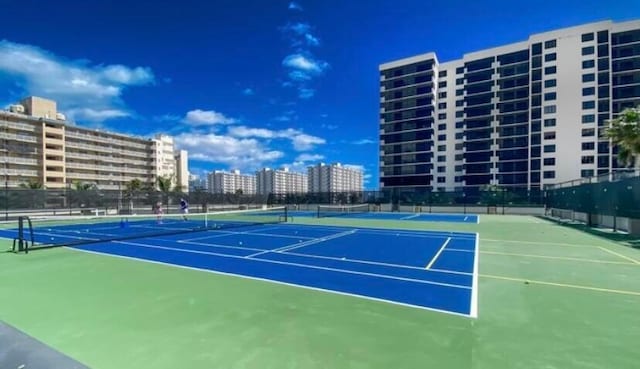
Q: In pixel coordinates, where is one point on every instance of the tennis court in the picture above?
(430, 270)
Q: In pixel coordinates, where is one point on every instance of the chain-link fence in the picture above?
(86, 201)
(614, 194)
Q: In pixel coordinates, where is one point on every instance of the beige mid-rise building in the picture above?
(39, 144)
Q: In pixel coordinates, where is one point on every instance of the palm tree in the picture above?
(165, 186)
(624, 132)
(83, 186)
(32, 184)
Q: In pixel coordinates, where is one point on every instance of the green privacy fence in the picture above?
(613, 194)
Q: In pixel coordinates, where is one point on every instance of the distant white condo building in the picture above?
(280, 181)
(334, 178)
(231, 182)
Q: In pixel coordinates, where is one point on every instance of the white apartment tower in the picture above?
(231, 182)
(182, 170)
(334, 178)
(525, 114)
(272, 181)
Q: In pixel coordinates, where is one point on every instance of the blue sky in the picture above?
(247, 84)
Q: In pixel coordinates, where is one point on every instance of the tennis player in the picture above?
(159, 212)
(184, 208)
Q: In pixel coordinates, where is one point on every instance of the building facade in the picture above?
(525, 114)
(182, 170)
(231, 182)
(334, 178)
(282, 181)
(39, 145)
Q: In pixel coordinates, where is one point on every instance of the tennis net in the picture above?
(341, 210)
(53, 231)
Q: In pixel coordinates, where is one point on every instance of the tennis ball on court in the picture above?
(240, 243)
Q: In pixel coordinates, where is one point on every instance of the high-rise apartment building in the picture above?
(197, 183)
(182, 170)
(524, 114)
(334, 178)
(231, 182)
(273, 181)
(38, 144)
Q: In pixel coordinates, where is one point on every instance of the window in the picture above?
(459, 146)
(588, 91)
(442, 84)
(441, 179)
(591, 118)
(536, 62)
(550, 44)
(550, 83)
(550, 57)
(603, 50)
(589, 77)
(549, 135)
(460, 114)
(536, 88)
(585, 173)
(549, 148)
(588, 50)
(442, 137)
(549, 161)
(587, 37)
(549, 174)
(459, 124)
(442, 73)
(459, 157)
(536, 49)
(460, 103)
(442, 95)
(460, 81)
(536, 75)
(441, 169)
(442, 147)
(442, 158)
(588, 132)
(603, 36)
(442, 127)
(549, 96)
(588, 146)
(586, 64)
(459, 92)
(535, 126)
(550, 70)
(588, 104)
(442, 105)
(550, 109)
(442, 116)
(460, 70)
(588, 160)
(459, 135)
(549, 122)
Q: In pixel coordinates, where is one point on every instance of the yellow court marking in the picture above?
(619, 255)
(530, 281)
(540, 243)
(566, 258)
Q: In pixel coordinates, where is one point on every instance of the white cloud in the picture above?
(298, 75)
(199, 117)
(248, 92)
(166, 118)
(94, 115)
(305, 63)
(330, 127)
(304, 142)
(83, 90)
(306, 93)
(245, 154)
(311, 40)
(300, 140)
(364, 141)
(295, 6)
(309, 157)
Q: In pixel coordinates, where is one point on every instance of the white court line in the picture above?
(303, 244)
(276, 282)
(438, 253)
(225, 233)
(382, 276)
(214, 245)
(64, 236)
(459, 250)
(473, 310)
(410, 217)
(540, 243)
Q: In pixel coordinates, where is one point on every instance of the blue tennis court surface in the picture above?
(423, 217)
(430, 270)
